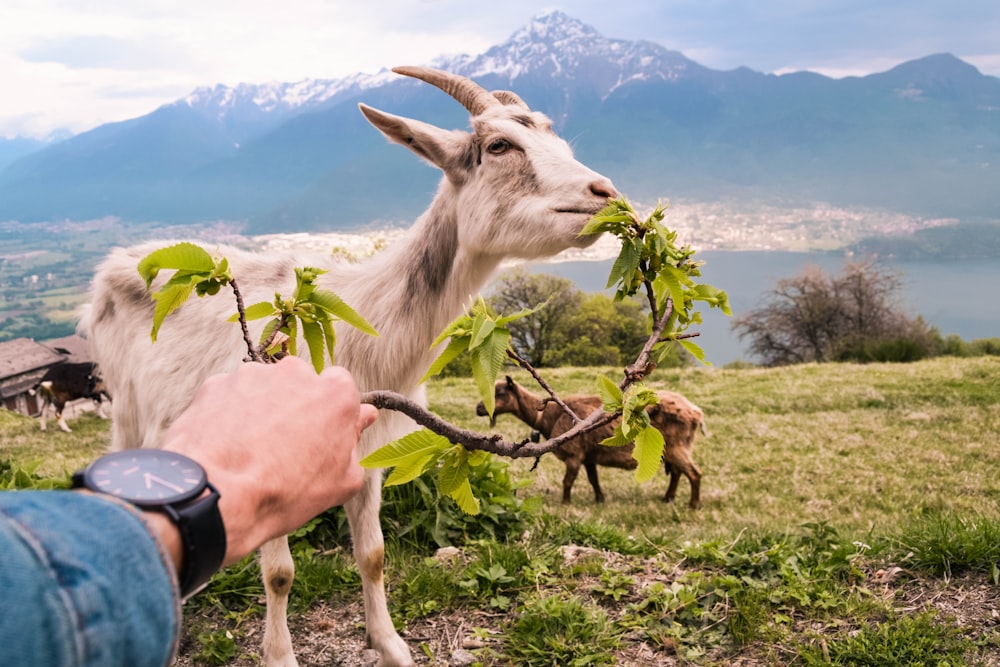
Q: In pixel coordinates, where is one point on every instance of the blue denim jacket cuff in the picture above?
(93, 586)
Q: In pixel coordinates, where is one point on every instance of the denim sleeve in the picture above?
(84, 584)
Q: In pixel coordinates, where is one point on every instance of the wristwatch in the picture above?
(161, 481)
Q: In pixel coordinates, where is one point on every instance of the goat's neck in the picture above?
(532, 412)
(410, 293)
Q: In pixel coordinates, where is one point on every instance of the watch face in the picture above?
(147, 476)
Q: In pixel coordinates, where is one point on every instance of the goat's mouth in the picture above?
(579, 210)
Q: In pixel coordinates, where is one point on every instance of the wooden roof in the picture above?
(74, 347)
(22, 364)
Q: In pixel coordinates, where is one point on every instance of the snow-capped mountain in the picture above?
(923, 137)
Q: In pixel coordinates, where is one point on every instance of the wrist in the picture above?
(175, 487)
(166, 533)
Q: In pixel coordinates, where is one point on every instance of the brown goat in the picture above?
(674, 416)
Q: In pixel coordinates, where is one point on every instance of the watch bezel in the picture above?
(92, 476)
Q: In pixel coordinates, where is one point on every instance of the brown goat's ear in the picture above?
(510, 382)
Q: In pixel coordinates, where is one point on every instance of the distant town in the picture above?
(45, 267)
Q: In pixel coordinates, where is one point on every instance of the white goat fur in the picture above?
(511, 189)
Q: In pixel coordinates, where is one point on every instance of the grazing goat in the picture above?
(69, 382)
(511, 189)
(675, 417)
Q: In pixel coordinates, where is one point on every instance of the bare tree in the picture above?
(817, 317)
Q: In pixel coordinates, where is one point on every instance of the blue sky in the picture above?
(75, 65)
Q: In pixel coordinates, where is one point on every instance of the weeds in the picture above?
(907, 641)
(946, 544)
(560, 631)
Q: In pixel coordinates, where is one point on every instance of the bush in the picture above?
(416, 514)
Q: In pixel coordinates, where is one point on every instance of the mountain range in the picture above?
(922, 138)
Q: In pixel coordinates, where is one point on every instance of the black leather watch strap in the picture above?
(204, 538)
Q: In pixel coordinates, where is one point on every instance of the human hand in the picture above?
(279, 443)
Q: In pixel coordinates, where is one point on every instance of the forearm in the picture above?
(91, 584)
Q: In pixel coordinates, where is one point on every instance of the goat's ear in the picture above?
(510, 382)
(439, 147)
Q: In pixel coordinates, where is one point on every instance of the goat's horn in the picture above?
(468, 93)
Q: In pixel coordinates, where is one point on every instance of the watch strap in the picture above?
(203, 536)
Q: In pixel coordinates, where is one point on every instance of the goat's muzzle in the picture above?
(481, 412)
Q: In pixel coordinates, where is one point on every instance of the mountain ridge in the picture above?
(921, 137)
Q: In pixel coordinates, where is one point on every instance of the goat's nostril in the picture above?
(604, 188)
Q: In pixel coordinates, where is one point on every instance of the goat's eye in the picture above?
(498, 146)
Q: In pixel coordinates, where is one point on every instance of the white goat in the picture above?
(511, 188)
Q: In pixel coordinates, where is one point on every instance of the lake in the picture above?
(957, 297)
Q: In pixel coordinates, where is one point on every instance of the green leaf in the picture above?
(463, 496)
(524, 312)
(268, 329)
(610, 393)
(455, 347)
(461, 327)
(616, 439)
(487, 361)
(182, 256)
(694, 349)
(313, 333)
(257, 311)
(482, 327)
(454, 469)
(409, 448)
(648, 452)
(334, 305)
(716, 298)
(330, 336)
(672, 280)
(626, 263)
(167, 301)
(410, 470)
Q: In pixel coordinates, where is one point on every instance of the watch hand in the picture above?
(162, 482)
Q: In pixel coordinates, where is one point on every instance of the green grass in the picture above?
(860, 447)
(815, 477)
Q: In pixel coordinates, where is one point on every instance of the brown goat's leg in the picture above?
(675, 477)
(278, 571)
(591, 469)
(693, 474)
(572, 470)
(369, 552)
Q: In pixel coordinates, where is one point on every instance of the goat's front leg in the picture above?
(61, 421)
(572, 470)
(591, 469)
(278, 571)
(369, 552)
(675, 477)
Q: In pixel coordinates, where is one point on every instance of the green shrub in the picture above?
(414, 513)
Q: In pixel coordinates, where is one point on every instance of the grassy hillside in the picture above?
(861, 447)
(851, 516)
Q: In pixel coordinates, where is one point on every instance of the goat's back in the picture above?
(154, 382)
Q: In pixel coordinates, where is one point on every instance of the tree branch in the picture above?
(242, 311)
(553, 396)
(473, 440)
